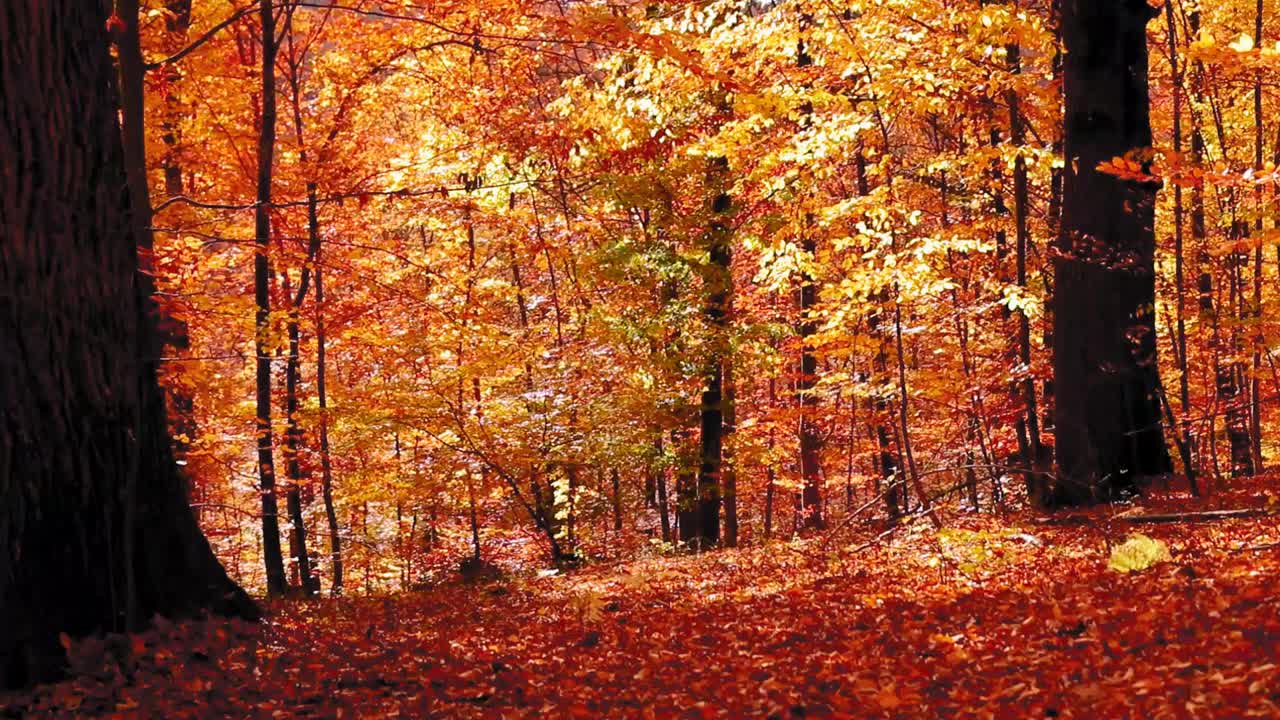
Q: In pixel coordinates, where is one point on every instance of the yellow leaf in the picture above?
(1139, 552)
(1242, 44)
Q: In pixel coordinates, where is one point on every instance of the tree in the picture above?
(810, 436)
(719, 288)
(1107, 413)
(271, 553)
(96, 533)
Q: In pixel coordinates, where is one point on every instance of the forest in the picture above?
(656, 359)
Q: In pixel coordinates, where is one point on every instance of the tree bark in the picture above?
(810, 439)
(719, 286)
(301, 558)
(728, 472)
(1028, 426)
(96, 533)
(615, 482)
(326, 464)
(173, 331)
(272, 555)
(1257, 339)
(664, 502)
(1107, 415)
(1180, 337)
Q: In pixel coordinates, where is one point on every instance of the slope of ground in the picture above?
(989, 617)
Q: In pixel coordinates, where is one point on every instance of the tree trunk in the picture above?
(728, 472)
(1107, 418)
(272, 555)
(810, 439)
(886, 461)
(1257, 339)
(177, 24)
(664, 502)
(1028, 426)
(1180, 337)
(615, 483)
(173, 331)
(301, 558)
(96, 532)
(293, 468)
(770, 474)
(719, 287)
(687, 518)
(326, 464)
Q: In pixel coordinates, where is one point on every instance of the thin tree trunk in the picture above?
(719, 288)
(1204, 260)
(301, 559)
(1029, 423)
(810, 440)
(686, 488)
(769, 472)
(326, 463)
(173, 331)
(1228, 396)
(664, 502)
(1180, 339)
(728, 472)
(1257, 339)
(851, 451)
(271, 551)
(616, 485)
(903, 395)
(886, 460)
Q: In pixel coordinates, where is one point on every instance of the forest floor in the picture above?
(1013, 616)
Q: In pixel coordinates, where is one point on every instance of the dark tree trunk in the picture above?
(299, 554)
(615, 482)
(770, 474)
(95, 533)
(1028, 426)
(729, 475)
(1204, 259)
(719, 286)
(1230, 375)
(1107, 417)
(326, 464)
(660, 480)
(272, 555)
(810, 440)
(1185, 444)
(890, 469)
(650, 488)
(687, 518)
(177, 24)
(173, 331)
(887, 463)
(1255, 314)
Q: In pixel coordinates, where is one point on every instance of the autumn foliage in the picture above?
(485, 319)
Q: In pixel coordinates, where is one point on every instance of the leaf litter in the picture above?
(988, 618)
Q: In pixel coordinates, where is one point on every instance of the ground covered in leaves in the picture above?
(989, 617)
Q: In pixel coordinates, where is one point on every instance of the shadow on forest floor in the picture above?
(990, 617)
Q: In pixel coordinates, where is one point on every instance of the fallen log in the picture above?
(1201, 516)
(1189, 516)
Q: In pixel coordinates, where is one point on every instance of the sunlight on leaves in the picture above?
(1139, 552)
